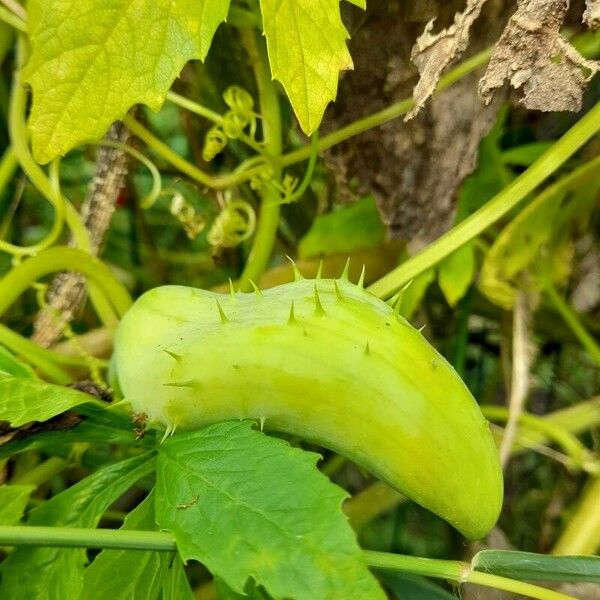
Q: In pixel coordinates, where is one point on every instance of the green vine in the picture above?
(500, 205)
(61, 258)
(68, 537)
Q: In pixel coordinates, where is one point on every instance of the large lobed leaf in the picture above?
(92, 60)
(250, 506)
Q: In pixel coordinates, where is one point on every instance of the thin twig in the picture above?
(67, 291)
(521, 365)
(15, 8)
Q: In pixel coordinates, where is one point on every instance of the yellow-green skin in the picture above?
(340, 369)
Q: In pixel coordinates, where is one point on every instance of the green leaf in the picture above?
(526, 154)
(13, 501)
(40, 573)
(345, 230)
(175, 584)
(125, 574)
(92, 60)
(99, 426)
(538, 567)
(456, 272)
(542, 224)
(10, 365)
(250, 506)
(24, 400)
(251, 592)
(414, 292)
(306, 41)
(405, 586)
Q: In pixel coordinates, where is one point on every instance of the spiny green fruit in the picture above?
(328, 362)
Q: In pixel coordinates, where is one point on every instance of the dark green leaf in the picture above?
(538, 567)
(526, 154)
(406, 586)
(13, 501)
(24, 400)
(100, 426)
(41, 573)
(247, 505)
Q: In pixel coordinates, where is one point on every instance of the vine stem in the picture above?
(41, 358)
(211, 115)
(266, 230)
(497, 207)
(572, 320)
(357, 127)
(64, 210)
(120, 539)
(580, 456)
(460, 572)
(218, 182)
(62, 258)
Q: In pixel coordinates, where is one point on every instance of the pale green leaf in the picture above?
(13, 501)
(92, 60)
(306, 41)
(405, 586)
(542, 225)
(32, 573)
(24, 400)
(456, 273)
(10, 365)
(249, 506)
(414, 293)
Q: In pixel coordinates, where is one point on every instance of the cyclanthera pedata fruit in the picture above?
(328, 362)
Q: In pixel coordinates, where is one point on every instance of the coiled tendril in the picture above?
(235, 120)
(234, 224)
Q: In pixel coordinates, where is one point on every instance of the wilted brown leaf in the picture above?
(432, 53)
(533, 56)
(591, 16)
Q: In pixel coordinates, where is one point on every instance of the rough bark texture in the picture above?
(414, 169)
(67, 291)
(532, 56)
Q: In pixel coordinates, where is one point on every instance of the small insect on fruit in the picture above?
(324, 360)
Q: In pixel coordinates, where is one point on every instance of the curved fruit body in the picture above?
(326, 361)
